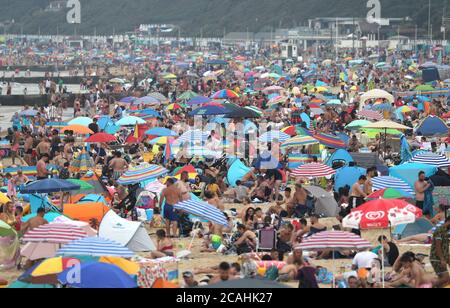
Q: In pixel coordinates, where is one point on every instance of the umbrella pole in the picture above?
(192, 240)
(334, 271)
(382, 266)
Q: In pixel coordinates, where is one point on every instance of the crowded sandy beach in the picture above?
(175, 166)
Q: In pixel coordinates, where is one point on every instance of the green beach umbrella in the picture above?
(6, 230)
(357, 124)
(424, 87)
(83, 185)
(188, 95)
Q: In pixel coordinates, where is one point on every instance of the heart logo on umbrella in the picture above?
(411, 208)
(375, 215)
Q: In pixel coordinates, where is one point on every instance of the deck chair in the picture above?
(267, 240)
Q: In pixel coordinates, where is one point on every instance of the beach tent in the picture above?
(99, 187)
(421, 226)
(432, 126)
(409, 172)
(86, 211)
(38, 201)
(236, 172)
(93, 198)
(130, 234)
(368, 160)
(340, 155)
(325, 204)
(347, 176)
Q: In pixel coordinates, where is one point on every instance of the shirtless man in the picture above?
(15, 144)
(368, 185)
(214, 200)
(41, 167)
(118, 165)
(28, 148)
(172, 196)
(357, 194)
(287, 202)
(59, 159)
(420, 187)
(224, 274)
(184, 187)
(298, 202)
(68, 149)
(43, 147)
(20, 178)
(35, 222)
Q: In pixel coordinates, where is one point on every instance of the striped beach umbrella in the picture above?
(371, 115)
(255, 109)
(335, 241)
(193, 136)
(55, 233)
(430, 158)
(277, 100)
(383, 182)
(146, 100)
(95, 247)
(202, 210)
(141, 173)
(313, 170)
(299, 141)
(225, 94)
(82, 163)
(274, 135)
(330, 141)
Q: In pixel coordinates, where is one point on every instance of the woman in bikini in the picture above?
(164, 246)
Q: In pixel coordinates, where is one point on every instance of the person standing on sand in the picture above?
(357, 194)
(41, 167)
(118, 165)
(420, 187)
(171, 195)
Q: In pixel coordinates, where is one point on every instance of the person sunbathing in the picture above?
(422, 239)
(293, 264)
(164, 246)
(415, 275)
(246, 242)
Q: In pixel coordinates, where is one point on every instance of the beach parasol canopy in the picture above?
(78, 129)
(273, 89)
(98, 275)
(244, 113)
(225, 94)
(210, 109)
(161, 132)
(4, 198)
(274, 135)
(383, 182)
(130, 121)
(48, 186)
(202, 210)
(95, 247)
(390, 193)
(376, 94)
(84, 121)
(429, 158)
(193, 136)
(299, 141)
(198, 100)
(382, 213)
(6, 230)
(188, 95)
(387, 124)
(313, 170)
(335, 241)
(141, 173)
(128, 100)
(101, 138)
(357, 124)
(82, 163)
(330, 141)
(160, 97)
(83, 184)
(146, 100)
(370, 114)
(55, 233)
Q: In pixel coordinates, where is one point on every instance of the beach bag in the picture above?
(271, 273)
(324, 276)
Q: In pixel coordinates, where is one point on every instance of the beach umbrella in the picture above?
(313, 170)
(335, 241)
(198, 100)
(147, 112)
(146, 100)
(406, 109)
(95, 247)
(387, 124)
(382, 213)
(84, 121)
(192, 172)
(130, 121)
(273, 89)
(6, 230)
(48, 186)
(373, 132)
(225, 94)
(370, 114)
(56, 125)
(78, 129)
(271, 136)
(357, 124)
(202, 210)
(390, 193)
(430, 158)
(55, 233)
(98, 275)
(170, 76)
(162, 140)
(83, 184)
(330, 141)
(188, 95)
(4, 198)
(175, 106)
(299, 141)
(161, 132)
(424, 88)
(277, 100)
(129, 267)
(46, 271)
(383, 182)
(128, 100)
(255, 109)
(243, 113)
(290, 130)
(193, 136)
(334, 102)
(158, 96)
(101, 138)
(141, 173)
(210, 109)
(82, 163)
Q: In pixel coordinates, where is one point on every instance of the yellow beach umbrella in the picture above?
(128, 267)
(4, 198)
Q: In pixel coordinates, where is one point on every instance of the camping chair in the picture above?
(267, 240)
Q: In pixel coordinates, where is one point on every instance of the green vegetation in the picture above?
(210, 17)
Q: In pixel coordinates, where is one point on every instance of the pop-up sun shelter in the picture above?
(421, 226)
(409, 172)
(127, 233)
(432, 126)
(86, 211)
(347, 176)
(236, 172)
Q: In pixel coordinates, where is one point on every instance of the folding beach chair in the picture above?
(267, 240)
